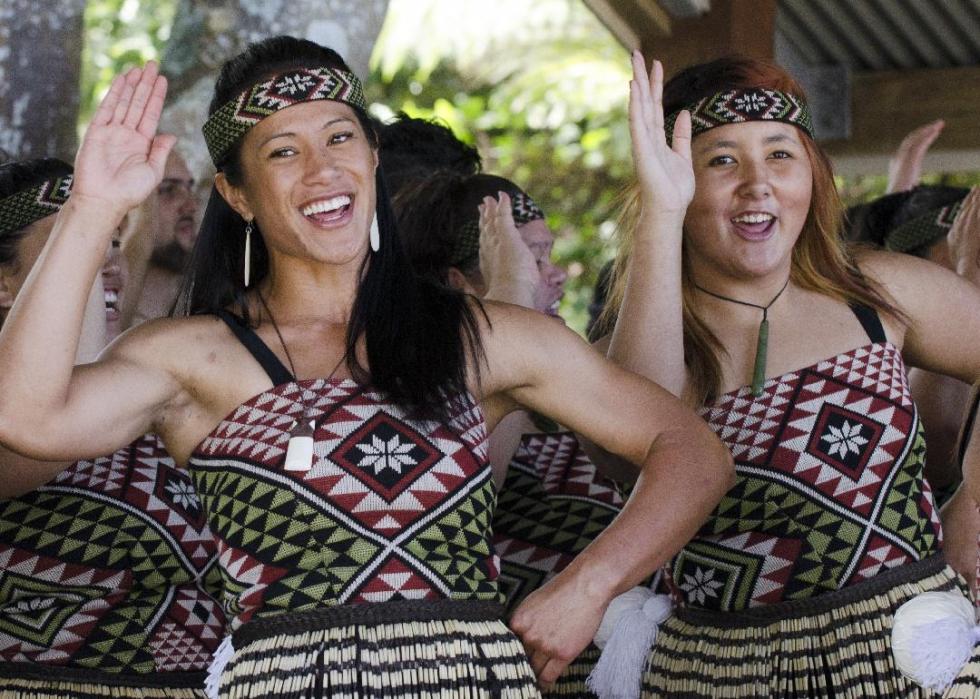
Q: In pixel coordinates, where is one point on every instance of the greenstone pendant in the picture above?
(761, 348)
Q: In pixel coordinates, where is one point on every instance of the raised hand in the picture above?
(905, 167)
(664, 171)
(964, 238)
(506, 262)
(122, 157)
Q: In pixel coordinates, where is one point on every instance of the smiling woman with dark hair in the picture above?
(333, 407)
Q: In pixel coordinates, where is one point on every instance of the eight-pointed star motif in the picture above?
(844, 439)
(392, 454)
(701, 585)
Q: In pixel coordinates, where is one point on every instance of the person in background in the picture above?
(108, 569)
(412, 149)
(172, 220)
(928, 221)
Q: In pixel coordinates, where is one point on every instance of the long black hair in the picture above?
(433, 215)
(19, 176)
(412, 149)
(417, 334)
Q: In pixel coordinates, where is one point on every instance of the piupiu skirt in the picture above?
(395, 649)
(571, 684)
(835, 645)
(36, 681)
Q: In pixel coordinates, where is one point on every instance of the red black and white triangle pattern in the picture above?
(552, 504)
(829, 490)
(393, 506)
(111, 567)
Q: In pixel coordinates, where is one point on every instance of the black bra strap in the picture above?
(258, 349)
(868, 317)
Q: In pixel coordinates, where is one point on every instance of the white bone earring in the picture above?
(248, 253)
(375, 238)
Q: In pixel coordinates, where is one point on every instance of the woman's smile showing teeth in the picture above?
(753, 225)
(332, 210)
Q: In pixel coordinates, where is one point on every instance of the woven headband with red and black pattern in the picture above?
(232, 121)
(467, 247)
(741, 105)
(24, 208)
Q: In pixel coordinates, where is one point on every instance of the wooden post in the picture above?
(745, 27)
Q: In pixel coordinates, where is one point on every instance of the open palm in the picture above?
(664, 171)
(122, 157)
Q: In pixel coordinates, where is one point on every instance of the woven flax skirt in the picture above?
(394, 649)
(34, 681)
(836, 645)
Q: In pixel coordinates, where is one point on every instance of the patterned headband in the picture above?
(917, 234)
(227, 125)
(737, 106)
(24, 208)
(468, 241)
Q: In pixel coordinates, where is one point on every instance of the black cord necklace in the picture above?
(762, 344)
(299, 450)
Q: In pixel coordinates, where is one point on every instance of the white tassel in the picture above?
(225, 652)
(626, 635)
(933, 638)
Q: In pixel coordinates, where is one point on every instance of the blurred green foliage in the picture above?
(119, 34)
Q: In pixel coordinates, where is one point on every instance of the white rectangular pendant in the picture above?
(299, 453)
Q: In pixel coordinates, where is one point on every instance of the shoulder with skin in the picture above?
(174, 345)
(517, 339)
(906, 280)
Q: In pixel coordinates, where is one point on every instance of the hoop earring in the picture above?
(248, 252)
(375, 237)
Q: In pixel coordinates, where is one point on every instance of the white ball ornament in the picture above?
(933, 637)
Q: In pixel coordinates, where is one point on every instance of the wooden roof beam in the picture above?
(886, 105)
(631, 20)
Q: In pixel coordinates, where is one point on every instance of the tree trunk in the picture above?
(40, 61)
(206, 33)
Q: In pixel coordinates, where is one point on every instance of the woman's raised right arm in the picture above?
(648, 336)
(48, 408)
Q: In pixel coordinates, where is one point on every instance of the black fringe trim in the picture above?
(366, 615)
(60, 673)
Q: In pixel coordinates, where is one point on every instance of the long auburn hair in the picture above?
(821, 260)
(418, 335)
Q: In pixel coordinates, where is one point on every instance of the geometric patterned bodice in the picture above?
(110, 566)
(552, 504)
(394, 507)
(829, 488)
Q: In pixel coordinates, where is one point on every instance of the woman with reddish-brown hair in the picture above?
(733, 289)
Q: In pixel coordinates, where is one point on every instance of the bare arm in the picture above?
(942, 337)
(50, 409)
(21, 472)
(684, 472)
(648, 337)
